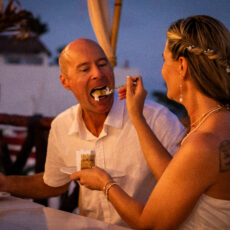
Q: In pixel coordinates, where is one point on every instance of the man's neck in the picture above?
(94, 122)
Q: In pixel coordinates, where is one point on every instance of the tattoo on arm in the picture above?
(224, 156)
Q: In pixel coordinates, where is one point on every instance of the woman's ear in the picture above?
(65, 81)
(183, 67)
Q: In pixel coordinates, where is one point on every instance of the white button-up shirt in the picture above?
(117, 149)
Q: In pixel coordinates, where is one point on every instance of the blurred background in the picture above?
(140, 43)
(141, 36)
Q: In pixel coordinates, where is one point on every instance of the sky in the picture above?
(142, 31)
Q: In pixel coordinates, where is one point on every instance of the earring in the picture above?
(181, 94)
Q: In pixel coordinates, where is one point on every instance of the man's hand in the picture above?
(3, 184)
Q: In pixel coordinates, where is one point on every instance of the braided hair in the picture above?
(205, 43)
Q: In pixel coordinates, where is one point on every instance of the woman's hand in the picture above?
(135, 97)
(94, 178)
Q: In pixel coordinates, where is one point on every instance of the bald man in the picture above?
(99, 123)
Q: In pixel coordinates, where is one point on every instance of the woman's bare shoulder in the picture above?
(208, 147)
(201, 142)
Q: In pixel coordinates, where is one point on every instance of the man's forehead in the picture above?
(83, 46)
(82, 57)
(87, 52)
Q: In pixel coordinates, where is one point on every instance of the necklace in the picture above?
(201, 120)
(196, 122)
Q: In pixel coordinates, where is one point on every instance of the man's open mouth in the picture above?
(100, 92)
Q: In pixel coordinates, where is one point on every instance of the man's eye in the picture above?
(84, 69)
(101, 64)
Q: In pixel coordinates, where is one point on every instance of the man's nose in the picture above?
(97, 72)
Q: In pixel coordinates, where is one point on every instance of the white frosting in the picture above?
(97, 93)
(96, 97)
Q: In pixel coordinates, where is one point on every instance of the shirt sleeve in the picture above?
(52, 175)
(167, 128)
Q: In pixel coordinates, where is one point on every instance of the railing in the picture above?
(37, 136)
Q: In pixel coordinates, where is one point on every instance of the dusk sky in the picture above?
(143, 26)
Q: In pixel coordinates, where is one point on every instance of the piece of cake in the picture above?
(85, 159)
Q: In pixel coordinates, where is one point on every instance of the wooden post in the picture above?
(115, 27)
(2, 7)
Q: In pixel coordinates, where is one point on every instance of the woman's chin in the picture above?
(173, 98)
(169, 97)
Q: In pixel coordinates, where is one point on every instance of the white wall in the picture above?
(26, 89)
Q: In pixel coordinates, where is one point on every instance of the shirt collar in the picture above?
(77, 120)
(115, 116)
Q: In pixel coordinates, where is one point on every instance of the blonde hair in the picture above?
(205, 43)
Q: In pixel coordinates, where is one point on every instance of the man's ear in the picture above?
(65, 81)
(183, 67)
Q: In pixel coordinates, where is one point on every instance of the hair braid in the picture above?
(205, 43)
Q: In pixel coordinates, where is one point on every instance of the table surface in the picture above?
(22, 214)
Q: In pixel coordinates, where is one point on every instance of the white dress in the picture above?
(209, 214)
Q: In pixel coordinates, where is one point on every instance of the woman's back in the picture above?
(219, 126)
(213, 138)
(212, 210)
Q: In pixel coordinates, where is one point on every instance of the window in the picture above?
(12, 60)
(24, 60)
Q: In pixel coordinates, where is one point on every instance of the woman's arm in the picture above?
(155, 154)
(192, 172)
(189, 174)
(97, 179)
